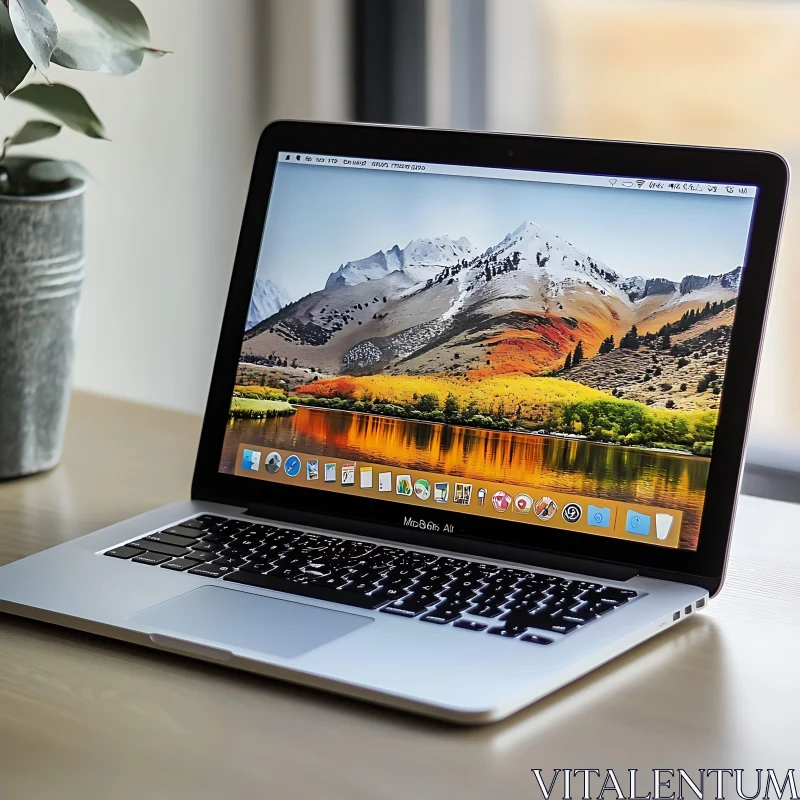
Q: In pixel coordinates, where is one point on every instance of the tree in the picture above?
(666, 342)
(451, 406)
(471, 410)
(568, 362)
(428, 402)
(607, 345)
(630, 341)
(577, 356)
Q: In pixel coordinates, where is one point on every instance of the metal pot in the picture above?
(41, 275)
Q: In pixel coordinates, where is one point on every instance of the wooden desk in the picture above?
(83, 717)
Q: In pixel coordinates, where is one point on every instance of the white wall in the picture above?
(163, 213)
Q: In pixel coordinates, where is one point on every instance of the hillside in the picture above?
(438, 307)
(658, 377)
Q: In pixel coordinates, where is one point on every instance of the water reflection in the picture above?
(546, 463)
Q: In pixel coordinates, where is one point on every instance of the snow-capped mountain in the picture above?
(549, 252)
(729, 280)
(439, 305)
(267, 299)
(418, 259)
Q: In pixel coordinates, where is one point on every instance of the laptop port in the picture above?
(676, 616)
(700, 603)
(687, 610)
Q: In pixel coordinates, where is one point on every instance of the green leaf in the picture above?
(35, 131)
(120, 19)
(64, 103)
(14, 61)
(36, 30)
(96, 52)
(57, 171)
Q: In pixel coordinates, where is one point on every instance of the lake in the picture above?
(546, 463)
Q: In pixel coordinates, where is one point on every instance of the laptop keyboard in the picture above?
(439, 590)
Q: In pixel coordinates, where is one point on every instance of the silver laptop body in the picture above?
(422, 550)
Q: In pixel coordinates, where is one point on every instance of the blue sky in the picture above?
(321, 217)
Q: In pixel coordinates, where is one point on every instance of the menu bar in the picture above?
(616, 182)
(420, 489)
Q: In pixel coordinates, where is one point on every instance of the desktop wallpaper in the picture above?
(571, 338)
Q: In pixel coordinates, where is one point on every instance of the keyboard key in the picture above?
(469, 625)
(485, 611)
(257, 566)
(441, 616)
(508, 631)
(456, 605)
(164, 549)
(151, 558)
(541, 620)
(417, 603)
(180, 564)
(232, 563)
(580, 617)
(201, 555)
(396, 609)
(534, 639)
(599, 609)
(169, 538)
(192, 523)
(206, 547)
(124, 552)
(213, 519)
(451, 564)
(188, 533)
(211, 570)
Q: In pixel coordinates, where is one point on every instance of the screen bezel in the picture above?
(767, 171)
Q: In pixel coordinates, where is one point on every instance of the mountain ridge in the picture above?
(438, 305)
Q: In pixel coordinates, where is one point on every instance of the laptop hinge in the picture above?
(451, 543)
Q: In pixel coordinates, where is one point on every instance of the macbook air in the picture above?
(475, 425)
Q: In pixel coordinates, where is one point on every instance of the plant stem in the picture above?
(6, 143)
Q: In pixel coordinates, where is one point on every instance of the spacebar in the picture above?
(308, 590)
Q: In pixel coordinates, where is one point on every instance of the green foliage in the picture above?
(115, 43)
(630, 341)
(568, 361)
(35, 29)
(15, 61)
(607, 345)
(709, 381)
(245, 408)
(259, 393)
(428, 402)
(64, 103)
(691, 316)
(629, 423)
(451, 406)
(33, 131)
(577, 356)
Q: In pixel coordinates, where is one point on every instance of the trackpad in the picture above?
(231, 619)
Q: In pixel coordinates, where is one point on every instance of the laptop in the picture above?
(476, 421)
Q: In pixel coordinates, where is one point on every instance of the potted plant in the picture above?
(41, 210)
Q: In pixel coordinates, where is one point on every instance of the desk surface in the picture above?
(87, 717)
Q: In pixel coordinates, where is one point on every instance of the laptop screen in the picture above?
(542, 348)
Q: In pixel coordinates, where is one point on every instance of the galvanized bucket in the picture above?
(41, 275)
